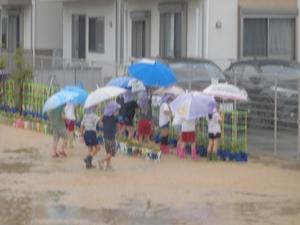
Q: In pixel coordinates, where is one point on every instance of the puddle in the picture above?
(15, 167)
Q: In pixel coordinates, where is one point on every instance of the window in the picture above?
(269, 37)
(141, 26)
(96, 34)
(172, 30)
(4, 32)
(78, 36)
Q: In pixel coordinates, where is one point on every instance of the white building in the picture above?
(114, 31)
(33, 25)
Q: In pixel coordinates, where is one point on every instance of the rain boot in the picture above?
(181, 153)
(194, 154)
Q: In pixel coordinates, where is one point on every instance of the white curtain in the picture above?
(281, 41)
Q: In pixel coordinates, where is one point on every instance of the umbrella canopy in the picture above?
(82, 94)
(191, 105)
(58, 99)
(152, 73)
(127, 83)
(111, 108)
(226, 91)
(103, 94)
(175, 90)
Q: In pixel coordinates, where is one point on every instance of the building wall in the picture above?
(223, 42)
(269, 3)
(103, 8)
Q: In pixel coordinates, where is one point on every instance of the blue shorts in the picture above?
(90, 138)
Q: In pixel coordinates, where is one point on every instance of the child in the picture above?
(188, 136)
(70, 122)
(130, 108)
(164, 122)
(214, 133)
(109, 121)
(145, 117)
(56, 117)
(88, 131)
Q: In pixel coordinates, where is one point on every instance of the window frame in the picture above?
(102, 50)
(246, 13)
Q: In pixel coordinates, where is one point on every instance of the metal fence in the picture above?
(273, 116)
(63, 72)
(272, 107)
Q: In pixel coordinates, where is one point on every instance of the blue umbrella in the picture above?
(58, 99)
(121, 82)
(82, 94)
(152, 73)
(192, 105)
(126, 82)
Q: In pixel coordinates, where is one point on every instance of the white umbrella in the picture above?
(103, 94)
(192, 105)
(226, 91)
(175, 90)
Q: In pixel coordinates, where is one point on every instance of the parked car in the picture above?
(194, 73)
(258, 77)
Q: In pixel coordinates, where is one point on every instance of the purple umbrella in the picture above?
(111, 108)
(192, 105)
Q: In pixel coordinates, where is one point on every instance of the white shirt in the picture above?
(164, 116)
(188, 125)
(70, 111)
(89, 121)
(214, 123)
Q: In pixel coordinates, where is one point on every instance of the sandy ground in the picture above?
(36, 189)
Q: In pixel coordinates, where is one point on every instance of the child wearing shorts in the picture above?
(109, 121)
(188, 136)
(88, 132)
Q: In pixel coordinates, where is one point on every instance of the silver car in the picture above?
(194, 73)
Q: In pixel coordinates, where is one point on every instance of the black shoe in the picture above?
(88, 161)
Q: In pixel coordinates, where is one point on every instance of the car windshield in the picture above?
(281, 71)
(196, 71)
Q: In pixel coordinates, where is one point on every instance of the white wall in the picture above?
(103, 8)
(27, 27)
(223, 43)
(49, 25)
(298, 35)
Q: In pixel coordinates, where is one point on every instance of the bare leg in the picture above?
(216, 145)
(54, 147)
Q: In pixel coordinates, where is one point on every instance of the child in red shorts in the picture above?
(188, 136)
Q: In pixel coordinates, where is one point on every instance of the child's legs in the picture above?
(130, 131)
(215, 145)
(55, 143)
(210, 145)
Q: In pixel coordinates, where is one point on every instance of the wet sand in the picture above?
(36, 189)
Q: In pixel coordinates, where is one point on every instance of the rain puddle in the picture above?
(18, 160)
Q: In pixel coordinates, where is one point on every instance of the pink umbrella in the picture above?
(226, 91)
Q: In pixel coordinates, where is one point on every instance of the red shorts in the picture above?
(145, 128)
(70, 125)
(188, 137)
